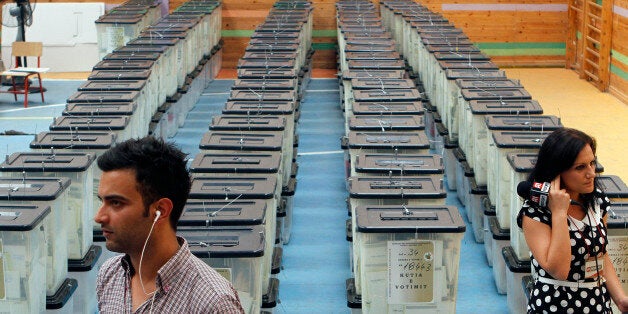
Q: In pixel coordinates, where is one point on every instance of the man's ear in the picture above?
(164, 206)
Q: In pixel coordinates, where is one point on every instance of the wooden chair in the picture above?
(25, 49)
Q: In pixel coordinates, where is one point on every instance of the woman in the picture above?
(568, 238)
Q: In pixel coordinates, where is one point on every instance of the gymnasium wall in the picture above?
(619, 51)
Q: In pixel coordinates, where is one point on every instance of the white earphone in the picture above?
(157, 214)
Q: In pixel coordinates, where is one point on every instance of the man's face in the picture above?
(121, 214)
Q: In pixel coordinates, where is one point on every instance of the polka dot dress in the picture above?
(548, 298)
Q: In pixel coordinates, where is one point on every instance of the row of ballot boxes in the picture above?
(239, 214)
(488, 130)
(48, 195)
(405, 242)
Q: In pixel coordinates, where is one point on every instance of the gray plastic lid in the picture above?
(488, 83)
(408, 163)
(521, 107)
(266, 107)
(133, 55)
(372, 55)
(104, 96)
(224, 242)
(141, 49)
(104, 109)
(32, 188)
(454, 41)
(519, 139)
(119, 75)
(466, 64)
(392, 140)
(242, 141)
(265, 64)
(232, 186)
(613, 186)
(377, 64)
(265, 84)
(47, 162)
(497, 231)
(21, 217)
(73, 140)
(231, 122)
(269, 55)
(387, 123)
(86, 123)
(409, 187)
(389, 108)
(258, 162)
(392, 95)
(523, 122)
(123, 65)
(272, 95)
(459, 73)
(513, 262)
(382, 83)
(283, 47)
(153, 41)
(495, 93)
(521, 162)
(361, 73)
(222, 213)
(409, 219)
(114, 85)
(618, 216)
(264, 73)
(362, 47)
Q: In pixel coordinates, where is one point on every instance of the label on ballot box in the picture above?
(410, 271)
(618, 253)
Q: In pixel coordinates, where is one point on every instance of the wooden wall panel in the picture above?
(619, 51)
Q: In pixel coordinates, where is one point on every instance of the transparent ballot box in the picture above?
(399, 164)
(618, 241)
(409, 258)
(498, 173)
(23, 263)
(411, 190)
(218, 212)
(407, 123)
(237, 253)
(244, 187)
(499, 239)
(477, 146)
(45, 192)
(78, 167)
(383, 108)
(515, 271)
(80, 142)
(85, 272)
(116, 31)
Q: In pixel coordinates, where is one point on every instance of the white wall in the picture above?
(67, 31)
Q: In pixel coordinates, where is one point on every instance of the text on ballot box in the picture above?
(411, 271)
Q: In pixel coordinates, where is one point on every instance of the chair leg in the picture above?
(14, 88)
(26, 92)
(41, 87)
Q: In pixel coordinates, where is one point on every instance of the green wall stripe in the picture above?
(249, 33)
(324, 33)
(619, 57)
(522, 49)
(324, 46)
(558, 45)
(236, 33)
(619, 72)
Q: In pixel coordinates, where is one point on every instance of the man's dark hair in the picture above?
(160, 171)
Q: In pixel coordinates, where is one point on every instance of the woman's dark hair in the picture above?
(558, 153)
(160, 171)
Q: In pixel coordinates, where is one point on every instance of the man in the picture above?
(143, 189)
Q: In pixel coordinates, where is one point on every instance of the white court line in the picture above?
(26, 118)
(209, 94)
(322, 153)
(30, 108)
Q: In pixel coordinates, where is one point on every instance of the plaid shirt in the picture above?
(185, 284)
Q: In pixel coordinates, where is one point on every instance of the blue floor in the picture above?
(316, 261)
